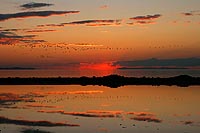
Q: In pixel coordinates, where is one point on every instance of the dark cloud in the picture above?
(188, 14)
(4, 17)
(34, 131)
(86, 114)
(11, 30)
(8, 34)
(143, 20)
(147, 17)
(191, 13)
(147, 118)
(187, 122)
(182, 62)
(94, 22)
(51, 25)
(9, 38)
(35, 5)
(4, 120)
(86, 23)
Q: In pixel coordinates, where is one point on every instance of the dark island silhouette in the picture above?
(112, 81)
(153, 68)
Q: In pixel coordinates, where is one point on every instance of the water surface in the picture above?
(90, 73)
(144, 109)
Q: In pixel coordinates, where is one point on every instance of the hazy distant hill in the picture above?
(184, 62)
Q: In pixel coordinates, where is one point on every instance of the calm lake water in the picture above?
(78, 73)
(97, 109)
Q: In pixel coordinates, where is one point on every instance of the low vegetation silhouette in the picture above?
(112, 81)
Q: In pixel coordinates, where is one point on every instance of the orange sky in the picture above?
(67, 32)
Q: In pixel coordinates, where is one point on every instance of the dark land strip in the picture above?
(112, 81)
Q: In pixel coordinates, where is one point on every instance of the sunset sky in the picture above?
(68, 33)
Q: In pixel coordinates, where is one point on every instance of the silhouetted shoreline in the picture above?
(112, 81)
(125, 68)
(17, 68)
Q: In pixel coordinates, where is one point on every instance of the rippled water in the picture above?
(78, 109)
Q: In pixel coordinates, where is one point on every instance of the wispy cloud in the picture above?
(8, 34)
(143, 20)
(9, 38)
(102, 22)
(95, 22)
(34, 131)
(91, 113)
(147, 118)
(11, 30)
(50, 25)
(191, 13)
(4, 17)
(86, 114)
(33, 5)
(187, 122)
(4, 120)
(147, 17)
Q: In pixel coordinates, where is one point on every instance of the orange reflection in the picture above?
(75, 92)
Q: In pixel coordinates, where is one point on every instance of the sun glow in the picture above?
(98, 66)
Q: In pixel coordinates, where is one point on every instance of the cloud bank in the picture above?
(182, 62)
(4, 120)
(4, 17)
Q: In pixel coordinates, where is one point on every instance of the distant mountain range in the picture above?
(162, 63)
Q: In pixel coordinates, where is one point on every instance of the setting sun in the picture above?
(98, 66)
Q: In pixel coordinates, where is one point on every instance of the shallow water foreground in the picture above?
(60, 109)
